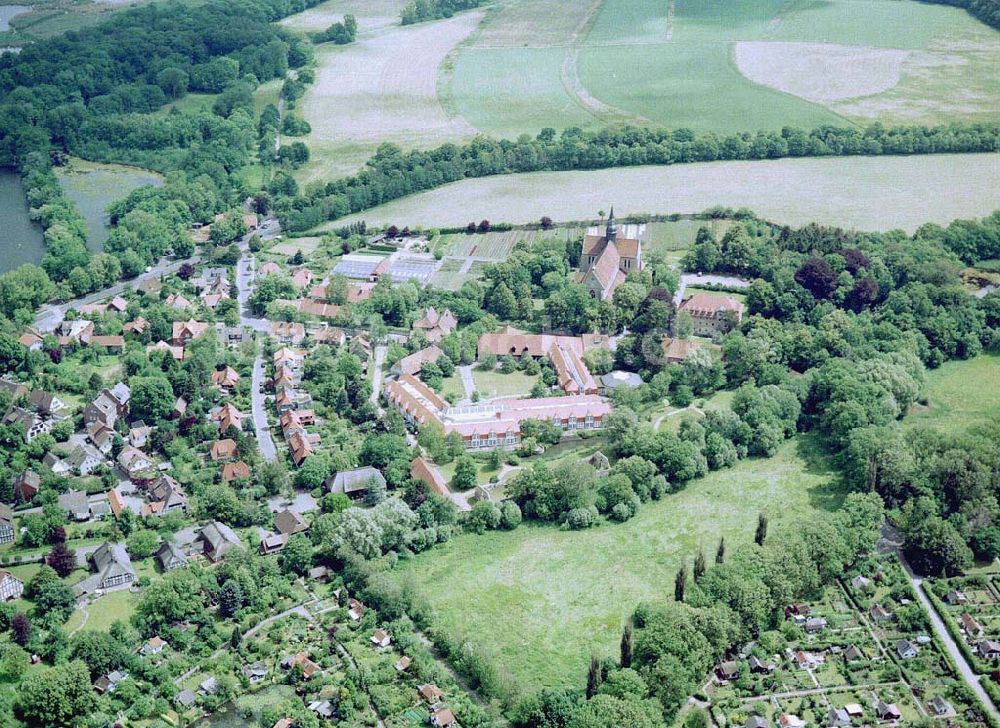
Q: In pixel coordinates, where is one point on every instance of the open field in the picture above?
(854, 192)
(542, 600)
(92, 187)
(959, 394)
(370, 14)
(381, 88)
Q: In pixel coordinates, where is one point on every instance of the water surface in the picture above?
(20, 239)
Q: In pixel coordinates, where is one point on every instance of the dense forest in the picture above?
(392, 173)
(97, 93)
(987, 11)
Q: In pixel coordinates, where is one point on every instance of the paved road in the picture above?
(967, 673)
(50, 316)
(264, 440)
(379, 355)
(691, 279)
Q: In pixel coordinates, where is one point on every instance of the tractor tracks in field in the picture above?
(569, 74)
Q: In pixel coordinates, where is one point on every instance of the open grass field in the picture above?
(959, 394)
(92, 187)
(497, 384)
(118, 605)
(855, 192)
(542, 600)
(518, 66)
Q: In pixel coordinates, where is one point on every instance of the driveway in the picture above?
(465, 374)
(380, 352)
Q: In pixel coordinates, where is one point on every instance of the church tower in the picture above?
(611, 233)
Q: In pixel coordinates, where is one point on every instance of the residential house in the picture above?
(6, 524)
(796, 610)
(74, 332)
(226, 378)
(302, 661)
(988, 649)
(403, 664)
(319, 574)
(301, 277)
(956, 598)
(728, 671)
(28, 423)
(178, 302)
(423, 471)
(607, 258)
(272, 543)
(138, 434)
(755, 721)
(940, 707)
(166, 496)
(355, 609)
(170, 556)
(255, 673)
(186, 699)
(289, 523)
(838, 718)
(138, 326)
(186, 331)
(84, 459)
(75, 505)
(108, 406)
(237, 470)
(288, 332)
(153, 646)
(354, 482)
(268, 268)
(759, 666)
(853, 654)
(788, 720)
(113, 566)
(176, 352)
(815, 624)
(443, 718)
(380, 638)
(45, 403)
(434, 325)
(222, 450)
(431, 693)
(906, 649)
(879, 613)
(109, 683)
(228, 416)
(218, 539)
(712, 313)
(31, 340)
(55, 463)
(416, 361)
(323, 709)
(11, 587)
(208, 686)
(861, 583)
(26, 486)
(134, 462)
(233, 336)
(887, 711)
(113, 343)
(971, 628)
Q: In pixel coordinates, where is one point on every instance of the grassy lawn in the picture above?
(452, 385)
(495, 384)
(959, 394)
(106, 610)
(542, 600)
(483, 473)
(858, 192)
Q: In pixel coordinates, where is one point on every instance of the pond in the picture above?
(229, 715)
(8, 12)
(20, 239)
(92, 187)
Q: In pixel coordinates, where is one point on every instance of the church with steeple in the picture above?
(609, 255)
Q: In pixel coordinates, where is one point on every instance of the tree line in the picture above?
(421, 10)
(988, 11)
(392, 173)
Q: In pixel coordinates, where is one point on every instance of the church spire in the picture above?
(612, 230)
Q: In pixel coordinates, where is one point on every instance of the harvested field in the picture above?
(371, 15)
(820, 72)
(854, 192)
(381, 88)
